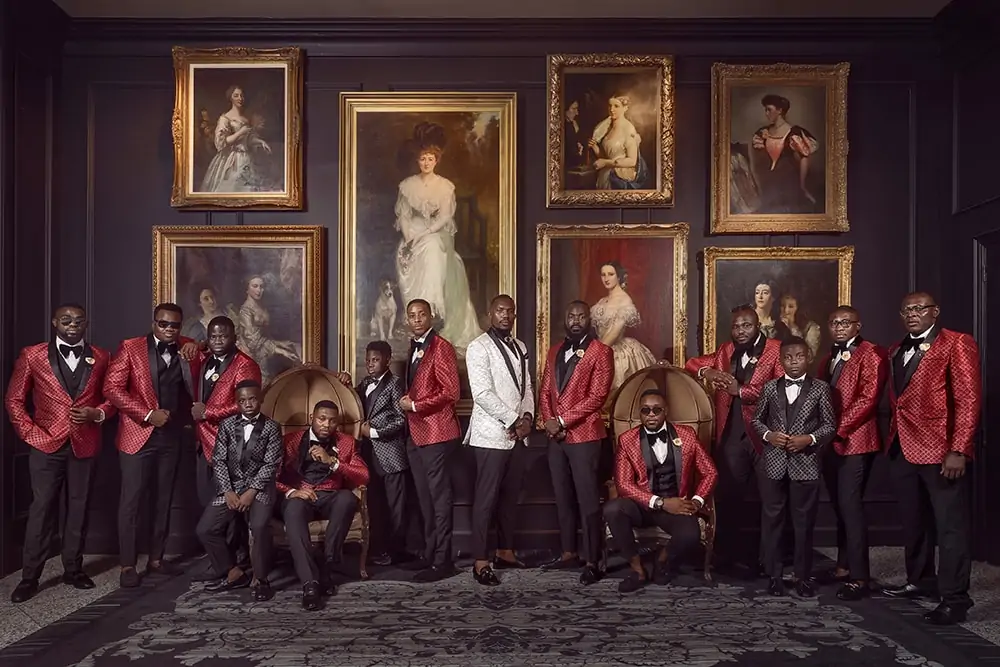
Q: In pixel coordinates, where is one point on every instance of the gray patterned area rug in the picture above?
(533, 618)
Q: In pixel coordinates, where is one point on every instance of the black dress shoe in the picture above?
(24, 591)
(853, 591)
(262, 591)
(945, 614)
(435, 573)
(164, 568)
(416, 565)
(225, 585)
(208, 575)
(632, 583)
(486, 576)
(311, 599)
(129, 578)
(776, 587)
(78, 580)
(907, 591)
(805, 588)
(831, 577)
(560, 563)
(590, 575)
(503, 564)
(662, 574)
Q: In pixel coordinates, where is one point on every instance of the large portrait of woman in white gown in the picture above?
(237, 128)
(633, 277)
(428, 214)
(610, 130)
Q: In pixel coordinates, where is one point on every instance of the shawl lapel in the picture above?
(570, 365)
(56, 370)
(154, 373)
(88, 362)
(839, 366)
(918, 356)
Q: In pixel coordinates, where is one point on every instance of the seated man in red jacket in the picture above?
(321, 465)
(663, 475)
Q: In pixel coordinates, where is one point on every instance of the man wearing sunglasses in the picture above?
(935, 392)
(152, 385)
(663, 475)
(737, 371)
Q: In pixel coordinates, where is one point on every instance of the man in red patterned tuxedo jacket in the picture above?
(64, 380)
(935, 393)
(223, 367)
(432, 390)
(152, 385)
(574, 388)
(856, 370)
(320, 467)
(663, 475)
(738, 371)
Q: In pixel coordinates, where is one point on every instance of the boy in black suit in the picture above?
(795, 419)
(383, 445)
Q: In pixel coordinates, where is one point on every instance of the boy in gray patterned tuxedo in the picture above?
(383, 438)
(795, 419)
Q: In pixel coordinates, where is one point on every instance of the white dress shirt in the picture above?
(661, 450)
(909, 353)
(248, 424)
(792, 392)
(840, 354)
(333, 468)
(72, 360)
(372, 433)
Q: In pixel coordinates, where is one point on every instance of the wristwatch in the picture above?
(658, 504)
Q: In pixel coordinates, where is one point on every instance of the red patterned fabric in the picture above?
(435, 391)
(581, 401)
(129, 386)
(49, 427)
(222, 402)
(938, 410)
(352, 473)
(632, 479)
(767, 368)
(856, 397)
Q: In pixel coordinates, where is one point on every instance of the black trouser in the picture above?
(498, 483)
(929, 504)
(624, 515)
(48, 474)
(801, 499)
(236, 533)
(217, 520)
(432, 480)
(574, 479)
(846, 478)
(337, 507)
(387, 507)
(735, 459)
(147, 474)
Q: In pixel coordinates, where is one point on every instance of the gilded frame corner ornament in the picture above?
(844, 256)
(556, 194)
(166, 240)
(182, 194)
(834, 218)
(545, 233)
(354, 103)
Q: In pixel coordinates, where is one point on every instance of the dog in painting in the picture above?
(383, 322)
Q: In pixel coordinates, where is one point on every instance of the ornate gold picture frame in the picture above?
(268, 279)
(793, 290)
(779, 148)
(428, 201)
(610, 130)
(631, 274)
(237, 128)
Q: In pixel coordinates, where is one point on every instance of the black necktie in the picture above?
(659, 436)
(910, 343)
(794, 383)
(214, 363)
(170, 348)
(76, 350)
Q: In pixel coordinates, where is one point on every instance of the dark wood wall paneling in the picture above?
(29, 62)
(970, 242)
(114, 167)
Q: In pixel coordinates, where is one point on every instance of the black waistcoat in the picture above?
(71, 378)
(313, 472)
(663, 478)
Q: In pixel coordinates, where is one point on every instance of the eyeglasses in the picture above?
(167, 324)
(646, 410)
(842, 324)
(915, 309)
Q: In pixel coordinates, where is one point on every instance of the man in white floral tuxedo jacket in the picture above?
(502, 415)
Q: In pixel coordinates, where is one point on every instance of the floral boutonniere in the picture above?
(215, 377)
(845, 355)
(752, 360)
(419, 354)
(90, 360)
(678, 442)
(924, 347)
(579, 353)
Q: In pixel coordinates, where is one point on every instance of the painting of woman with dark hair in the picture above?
(780, 162)
(611, 316)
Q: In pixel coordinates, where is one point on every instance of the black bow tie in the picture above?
(66, 350)
(163, 346)
(247, 420)
(574, 345)
(659, 436)
(910, 343)
(794, 383)
(214, 363)
(838, 348)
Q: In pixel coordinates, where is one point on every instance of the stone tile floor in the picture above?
(54, 600)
